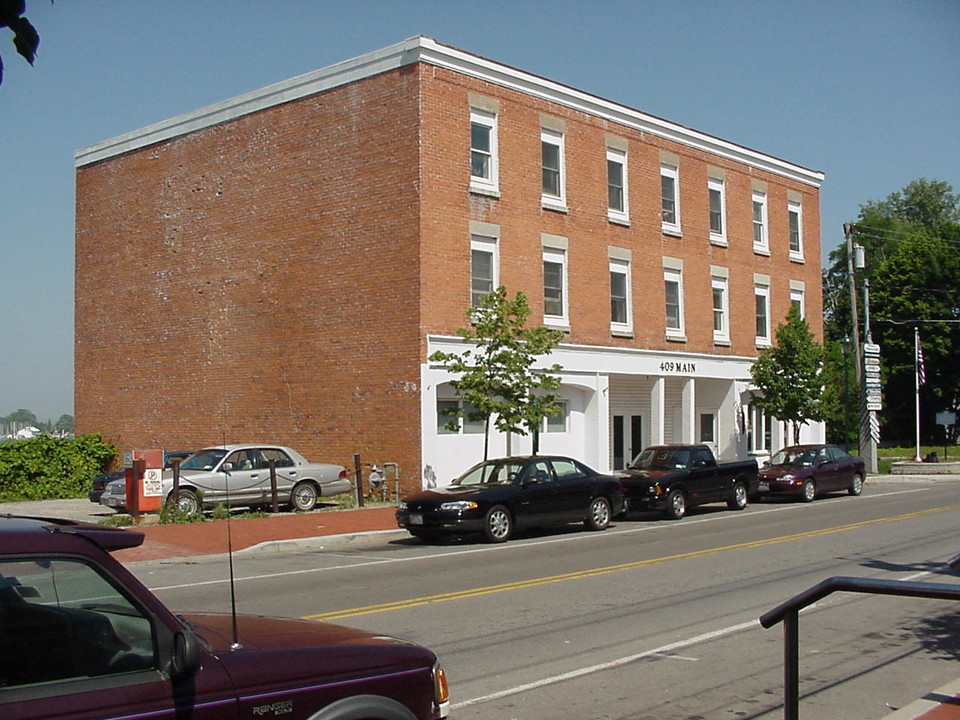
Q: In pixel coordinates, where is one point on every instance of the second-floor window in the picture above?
(483, 150)
(552, 167)
(761, 295)
(620, 316)
(670, 198)
(483, 267)
(673, 294)
(721, 312)
(554, 286)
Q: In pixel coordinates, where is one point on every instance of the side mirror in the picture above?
(186, 655)
(227, 467)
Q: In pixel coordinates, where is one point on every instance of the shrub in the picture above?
(47, 467)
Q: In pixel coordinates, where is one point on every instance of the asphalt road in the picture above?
(650, 619)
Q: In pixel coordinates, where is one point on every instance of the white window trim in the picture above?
(798, 295)
(674, 274)
(713, 183)
(762, 290)
(620, 216)
(554, 202)
(672, 171)
(722, 336)
(490, 245)
(763, 247)
(622, 267)
(795, 207)
(558, 255)
(491, 185)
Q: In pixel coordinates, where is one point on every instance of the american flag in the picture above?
(921, 370)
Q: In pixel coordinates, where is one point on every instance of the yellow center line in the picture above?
(595, 572)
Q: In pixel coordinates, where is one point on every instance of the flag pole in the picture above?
(916, 378)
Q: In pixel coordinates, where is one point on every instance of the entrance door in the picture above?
(627, 439)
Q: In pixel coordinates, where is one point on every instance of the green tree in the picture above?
(911, 241)
(64, 424)
(21, 418)
(788, 374)
(25, 38)
(498, 381)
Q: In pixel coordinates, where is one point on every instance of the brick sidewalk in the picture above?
(211, 538)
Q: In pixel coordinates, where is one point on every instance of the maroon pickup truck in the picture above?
(81, 637)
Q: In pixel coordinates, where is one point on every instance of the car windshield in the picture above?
(494, 472)
(203, 460)
(662, 459)
(794, 456)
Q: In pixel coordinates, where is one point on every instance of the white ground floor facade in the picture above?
(615, 402)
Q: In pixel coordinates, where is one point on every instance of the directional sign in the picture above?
(871, 361)
(874, 406)
(871, 349)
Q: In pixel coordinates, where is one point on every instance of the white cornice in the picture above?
(424, 49)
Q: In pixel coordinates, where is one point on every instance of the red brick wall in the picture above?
(274, 278)
(448, 207)
(257, 281)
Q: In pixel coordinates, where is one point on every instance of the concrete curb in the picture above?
(940, 704)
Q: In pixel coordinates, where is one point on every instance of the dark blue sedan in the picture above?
(497, 497)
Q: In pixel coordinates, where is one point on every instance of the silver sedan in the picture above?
(240, 475)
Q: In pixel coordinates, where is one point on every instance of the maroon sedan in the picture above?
(807, 471)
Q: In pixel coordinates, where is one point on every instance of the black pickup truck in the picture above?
(671, 478)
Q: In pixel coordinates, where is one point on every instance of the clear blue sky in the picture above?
(867, 91)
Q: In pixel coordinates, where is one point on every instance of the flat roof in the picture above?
(427, 50)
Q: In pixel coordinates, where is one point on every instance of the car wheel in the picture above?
(188, 502)
(598, 515)
(808, 492)
(738, 500)
(498, 525)
(304, 496)
(856, 484)
(676, 505)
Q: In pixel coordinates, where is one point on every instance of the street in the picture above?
(650, 619)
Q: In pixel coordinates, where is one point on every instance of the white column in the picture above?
(656, 410)
(688, 412)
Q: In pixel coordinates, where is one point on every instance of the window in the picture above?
(554, 286)
(759, 430)
(483, 151)
(721, 309)
(483, 267)
(60, 620)
(453, 418)
(617, 208)
(796, 297)
(620, 311)
(717, 211)
(708, 425)
(794, 216)
(673, 292)
(761, 294)
(551, 149)
(760, 239)
(558, 423)
(670, 199)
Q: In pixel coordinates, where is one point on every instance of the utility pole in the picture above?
(867, 360)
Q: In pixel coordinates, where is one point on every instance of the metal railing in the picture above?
(789, 611)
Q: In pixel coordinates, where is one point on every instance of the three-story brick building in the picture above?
(280, 266)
